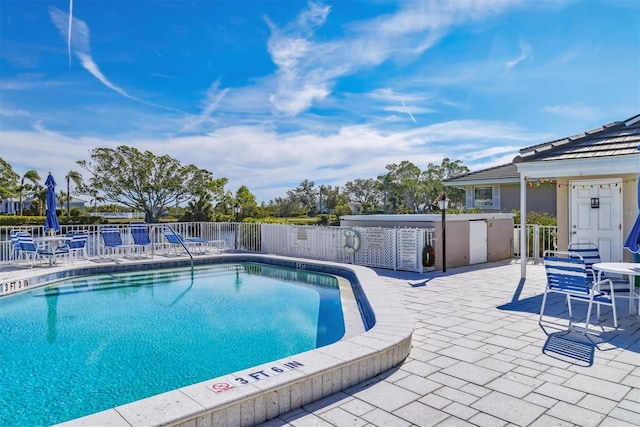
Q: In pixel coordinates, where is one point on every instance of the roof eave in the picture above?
(580, 167)
(485, 181)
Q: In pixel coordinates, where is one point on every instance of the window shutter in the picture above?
(496, 197)
(469, 194)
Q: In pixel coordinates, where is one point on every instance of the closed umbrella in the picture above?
(633, 239)
(51, 222)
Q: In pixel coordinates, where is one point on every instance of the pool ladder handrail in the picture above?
(181, 243)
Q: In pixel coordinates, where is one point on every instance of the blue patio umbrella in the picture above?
(633, 239)
(51, 222)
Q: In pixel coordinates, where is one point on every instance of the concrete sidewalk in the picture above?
(479, 357)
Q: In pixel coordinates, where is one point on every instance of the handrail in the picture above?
(181, 243)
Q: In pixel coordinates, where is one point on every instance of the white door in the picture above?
(477, 242)
(596, 216)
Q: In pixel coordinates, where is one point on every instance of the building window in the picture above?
(483, 196)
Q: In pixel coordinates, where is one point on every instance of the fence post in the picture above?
(395, 248)
(421, 245)
(536, 243)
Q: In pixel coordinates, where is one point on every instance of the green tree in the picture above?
(405, 186)
(61, 196)
(76, 177)
(387, 189)
(27, 189)
(200, 207)
(331, 198)
(8, 180)
(284, 206)
(248, 203)
(38, 201)
(366, 193)
(142, 180)
(434, 175)
(306, 195)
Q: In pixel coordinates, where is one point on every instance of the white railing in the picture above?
(539, 238)
(391, 248)
(138, 216)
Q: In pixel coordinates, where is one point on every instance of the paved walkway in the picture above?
(479, 358)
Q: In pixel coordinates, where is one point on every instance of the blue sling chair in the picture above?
(567, 274)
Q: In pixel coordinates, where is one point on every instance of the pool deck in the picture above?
(479, 357)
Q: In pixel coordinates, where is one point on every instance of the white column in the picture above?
(523, 227)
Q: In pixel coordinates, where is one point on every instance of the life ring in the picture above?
(428, 256)
(350, 241)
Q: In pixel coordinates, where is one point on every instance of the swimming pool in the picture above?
(102, 341)
(262, 392)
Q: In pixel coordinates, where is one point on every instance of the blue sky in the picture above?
(268, 93)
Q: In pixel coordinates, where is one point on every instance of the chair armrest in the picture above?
(598, 285)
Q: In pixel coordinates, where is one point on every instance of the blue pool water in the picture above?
(88, 344)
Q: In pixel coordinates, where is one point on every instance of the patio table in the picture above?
(629, 269)
(48, 240)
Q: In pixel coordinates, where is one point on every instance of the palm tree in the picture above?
(76, 177)
(61, 196)
(32, 176)
(40, 199)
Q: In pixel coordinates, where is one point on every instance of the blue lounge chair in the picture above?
(214, 244)
(141, 238)
(112, 241)
(176, 241)
(567, 275)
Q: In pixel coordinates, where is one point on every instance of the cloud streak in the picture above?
(525, 53)
(69, 25)
(78, 35)
(572, 111)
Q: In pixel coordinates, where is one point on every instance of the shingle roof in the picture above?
(497, 172)
(615, 139)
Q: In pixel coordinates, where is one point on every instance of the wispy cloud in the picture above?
(27, 81)
(78, 33)
(268, 161)
(308, 69)
(11, 112)
(213, 98)
(572, 111)
(525, 53)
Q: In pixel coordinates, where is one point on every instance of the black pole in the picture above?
(444, 242)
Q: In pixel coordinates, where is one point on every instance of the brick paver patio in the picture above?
(478, 359)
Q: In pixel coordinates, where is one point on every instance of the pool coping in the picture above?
(260, 393)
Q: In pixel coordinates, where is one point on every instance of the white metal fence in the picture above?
(391, 248)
